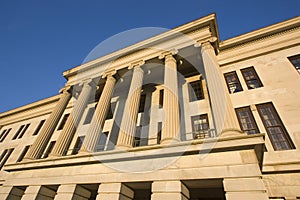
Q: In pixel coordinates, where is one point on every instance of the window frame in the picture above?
(237, 79)
(280, 124)
(39, 127)
(251, 117)
(256, 77)
(63, 121)
(202, 133)
(193, 94)
(296, 65)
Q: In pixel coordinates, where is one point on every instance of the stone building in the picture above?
(181, 115)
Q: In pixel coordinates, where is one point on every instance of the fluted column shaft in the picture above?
(223, 112)
(95, 129)
(171, 126)
(37, 148)
(128, 124)
(65, 138)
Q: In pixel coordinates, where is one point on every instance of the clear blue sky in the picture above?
(41, 39)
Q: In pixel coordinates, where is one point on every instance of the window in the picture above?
(246, 120)
(200, 126)
(4, 157)
(274, 127)
(159, 127)
(110, 113)
(233, 82)
(89, 115)
(78, 145)
(295, 60)
(142, 103)
(38, 128)
(49, 149)
(23, 131)
(18, 132)
(161, 98)
(63, 121)
(102, 141)
(4, 134)
(251, 78)
(195, 90)
(23, 154)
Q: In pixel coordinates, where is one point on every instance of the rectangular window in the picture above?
(5, 157)
(159, 129)
(233, 82)
(295, 60)
(18, 132)
(200, 126)
(23, 131)
(110, 113)
(161, 98)
(4, 134)
(78, 145)
(63, 121)
(251, 78)
(195, 91)
(102, 141)
(142, 103)
(23, 153)
(38, 128)
(276, 131)
(137, 137)
(246, 120)
(89, 115)
(49, 149)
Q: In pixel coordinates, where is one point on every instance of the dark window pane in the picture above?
(63, 121)
(295, 60)
(196, 91)
(159, 127)
(274, 127)
(23, 153)
(49, 149)
(38, 128)
(89, 115)
(246, 120)
(78, 145)
(102, 141)
(6, 155)
(142, 103)
(4, 134)
(18, 132)
(161, 98)
(251, 78)
(233, 83)
(23, 131)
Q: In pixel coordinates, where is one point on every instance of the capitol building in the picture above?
(181, 115)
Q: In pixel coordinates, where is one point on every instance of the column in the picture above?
(38, 192)
(169, 190)
(114, 191)
(72, 191)
(128, 124)
(226, 122)
(65, 138)
(37, 148)
(95, 129)
(171, 123)
(245, 188)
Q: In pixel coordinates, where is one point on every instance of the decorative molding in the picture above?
(136, 64)
(166, 53)
(109, 73)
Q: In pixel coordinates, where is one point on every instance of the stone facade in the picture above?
(181, 115)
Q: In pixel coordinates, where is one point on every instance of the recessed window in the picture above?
(233, 82)
(200, 126)
(49, 149)
(142, 103)
(196, 91)
(89, 115)
(277, 133)
(23, 131)
(110, 113)
(4, 134)
(159, 129)
(18, 132)
(23, 153)
(251, 78)
(102, 141)
(38, 128)
(295, 60)
(246, 120)
(63, 121)
(78, 145)
(161, 98)
(4, 157)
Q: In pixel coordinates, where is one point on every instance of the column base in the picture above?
(167, 141)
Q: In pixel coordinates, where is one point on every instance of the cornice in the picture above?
(260, 34)
(115, 59)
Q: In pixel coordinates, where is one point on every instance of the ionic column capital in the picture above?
(65, 89)
(109, 73)
(205, 43)
(168, 54)
(138, 63)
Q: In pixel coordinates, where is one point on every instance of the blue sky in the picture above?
(41, 39)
